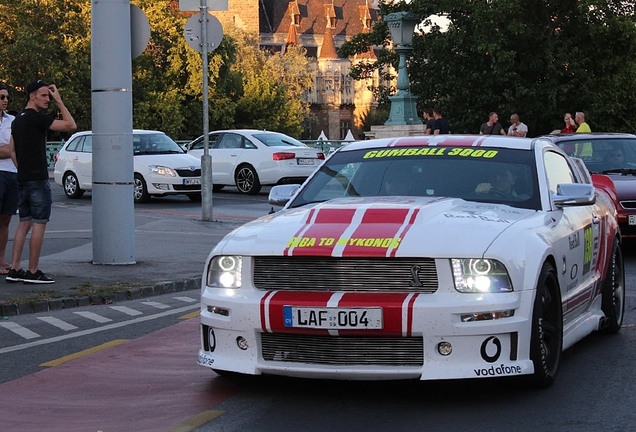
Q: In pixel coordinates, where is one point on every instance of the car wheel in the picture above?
(71, 186)
(195, 197)
(216, 188)
(613, 303)
(141, 190)
(546, 342)
(247, 180)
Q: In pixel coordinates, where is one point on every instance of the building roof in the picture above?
(275, 16)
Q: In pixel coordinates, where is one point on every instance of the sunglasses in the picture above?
(3, 97)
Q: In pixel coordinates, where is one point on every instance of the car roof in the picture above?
(444, 141)
(555, 138)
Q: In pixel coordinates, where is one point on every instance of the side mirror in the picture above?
(574, 194)
(280, 195)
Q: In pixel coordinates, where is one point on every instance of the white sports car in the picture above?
(436, 257)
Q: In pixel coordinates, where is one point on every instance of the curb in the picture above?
(23, 308)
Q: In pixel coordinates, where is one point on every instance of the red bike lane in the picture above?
(152, 383)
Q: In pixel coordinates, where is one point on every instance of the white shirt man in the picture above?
(517, 128)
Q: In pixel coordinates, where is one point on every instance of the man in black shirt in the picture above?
(28, 151)
(441, 125)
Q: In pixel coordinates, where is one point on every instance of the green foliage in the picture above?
(50, 39)
(532, 57)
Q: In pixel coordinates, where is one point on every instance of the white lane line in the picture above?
(19, 330)
(126, 310)
(94, 317)
(57, 323)
(96, 330)
(185, 299)
(156, 305)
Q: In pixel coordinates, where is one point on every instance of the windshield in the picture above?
(604, 155)
(275, 139)
(150, 144)
(486, 175)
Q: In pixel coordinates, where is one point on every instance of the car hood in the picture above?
(376, 227)
(167, 160)
(625, 186)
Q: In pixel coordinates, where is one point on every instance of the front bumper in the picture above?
(241, 333)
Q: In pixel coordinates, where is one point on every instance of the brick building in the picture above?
(338, 103)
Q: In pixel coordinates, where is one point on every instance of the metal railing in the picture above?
(327, 147)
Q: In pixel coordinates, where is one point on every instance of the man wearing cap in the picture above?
(28, 151)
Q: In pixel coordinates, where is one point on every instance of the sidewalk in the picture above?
(170, 256)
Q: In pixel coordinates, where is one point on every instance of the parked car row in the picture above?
(247, 159)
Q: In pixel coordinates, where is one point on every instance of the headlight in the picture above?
(225, 272)
(480, 276)
(162, 170)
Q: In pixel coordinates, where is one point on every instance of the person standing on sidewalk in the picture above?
(8, 178)
(28, 148)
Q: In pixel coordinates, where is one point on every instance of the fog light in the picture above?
(218, 310)
(161, 186)
(444, 348)
(242, 343)
(487, 316)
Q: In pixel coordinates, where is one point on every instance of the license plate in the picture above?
(632, 219)
(302, 161)
(192, 181)
(333, 318)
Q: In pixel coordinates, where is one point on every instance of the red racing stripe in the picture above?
(319, 237)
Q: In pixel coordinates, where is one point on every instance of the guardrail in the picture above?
(327, 147)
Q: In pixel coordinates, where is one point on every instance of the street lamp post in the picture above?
(403, 107)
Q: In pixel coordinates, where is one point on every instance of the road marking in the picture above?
(196, 421)
(185, 299)
(93, 316)
(19, 330)
(156, 305)
(190, 315)
(83, 353)
(126, 310)
(58, 323)
(95, 330)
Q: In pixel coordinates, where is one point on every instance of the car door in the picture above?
(225, 157)
(575, 242)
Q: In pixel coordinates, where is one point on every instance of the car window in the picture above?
(231, 141)
(603, 154)
(87, 146)
(485, 175)
(75, 144)
(199, 144)
(158, 143)
(557, 170)
(275, 139)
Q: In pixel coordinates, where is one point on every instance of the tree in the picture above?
(532, 57)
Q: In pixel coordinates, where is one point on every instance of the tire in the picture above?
(71, 185)
(613, 295)
(140, 191)
(546, 342)
(216, 188)
(246, 180)
(195, 197)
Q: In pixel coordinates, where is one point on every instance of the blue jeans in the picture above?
(35, 201)
(9, 195)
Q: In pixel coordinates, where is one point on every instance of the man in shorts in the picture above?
(8, 179)
(28, 151)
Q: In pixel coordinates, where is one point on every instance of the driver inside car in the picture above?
(502, 183)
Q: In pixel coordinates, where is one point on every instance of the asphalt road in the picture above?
(132, 366)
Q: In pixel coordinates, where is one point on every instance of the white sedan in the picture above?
(440, 257)
(249, 159)
(160, 166)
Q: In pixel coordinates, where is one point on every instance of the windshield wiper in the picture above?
(625, 171)
(308, 202)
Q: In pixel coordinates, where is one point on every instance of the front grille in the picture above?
(343, 351)
(345, 274)
(187, 172)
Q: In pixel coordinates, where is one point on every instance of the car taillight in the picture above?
(321, 156)
(283, 156)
